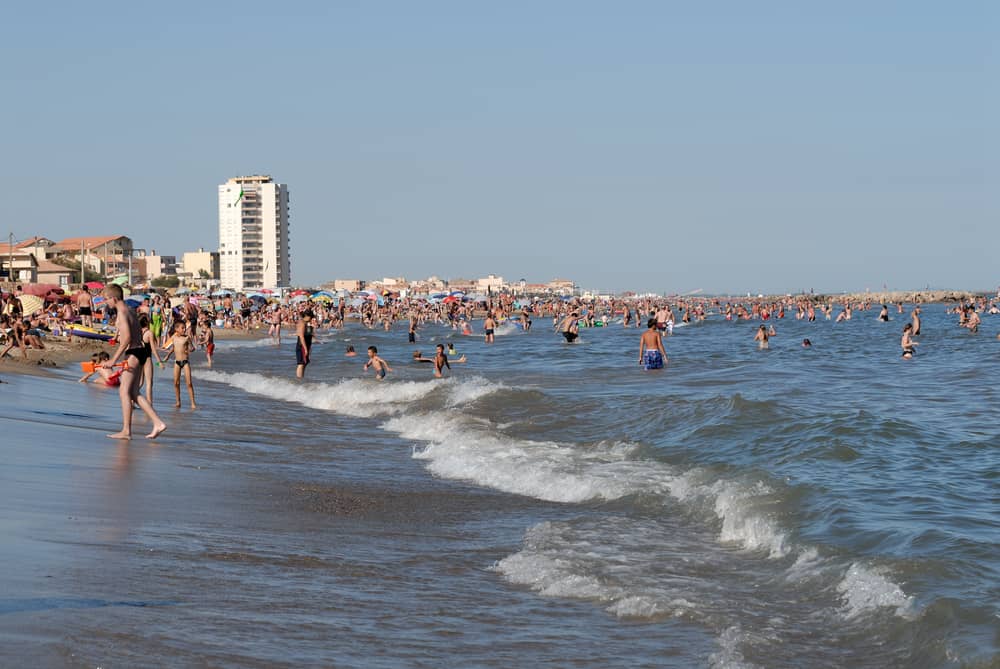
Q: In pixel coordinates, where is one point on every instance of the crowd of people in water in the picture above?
(150, 329)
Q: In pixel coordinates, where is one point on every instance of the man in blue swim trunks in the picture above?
(651, 353)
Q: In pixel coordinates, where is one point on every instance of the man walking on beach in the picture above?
(132, 352)
(83, 306)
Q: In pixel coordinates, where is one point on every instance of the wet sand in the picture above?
(72, 501)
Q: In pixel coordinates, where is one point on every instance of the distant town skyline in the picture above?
(744, 147)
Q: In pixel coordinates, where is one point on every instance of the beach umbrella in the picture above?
(94, 285)
(133, 302)
(41, 289)
(298, 299)
(183, 290)
(267, 291)
(222, 293)
(30, 304)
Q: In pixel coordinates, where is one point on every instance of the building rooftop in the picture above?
(74, 243)
(252, 179)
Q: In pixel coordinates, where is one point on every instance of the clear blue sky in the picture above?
(665, 146)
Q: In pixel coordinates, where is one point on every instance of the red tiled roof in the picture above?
(48, 267)
(5, 250)
(31, 242)
(87, 242)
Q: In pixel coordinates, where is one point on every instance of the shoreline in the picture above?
(59, 353)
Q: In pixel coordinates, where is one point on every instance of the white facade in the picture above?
(253, 234)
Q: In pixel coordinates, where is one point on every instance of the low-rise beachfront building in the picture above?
(350, 285)
(108, 255)
(37, 246)
(49, 272)
(17, 264)
(491, 284)
(463, 285)
(561, 286)
(536, 289)
(159, 265)
(201, 264)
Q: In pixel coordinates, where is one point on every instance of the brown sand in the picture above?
(59, 352)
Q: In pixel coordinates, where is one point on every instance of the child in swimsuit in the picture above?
(380, 365)
(180, 346)
(111, 379)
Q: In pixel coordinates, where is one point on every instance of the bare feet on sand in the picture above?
(120, 435)
(157, 431)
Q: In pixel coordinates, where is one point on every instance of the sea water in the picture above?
(830, 506)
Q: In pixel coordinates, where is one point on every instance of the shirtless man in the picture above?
(651, 353)
(84, 304)
(570, 327)
(915, 319)
(489, 325)
(973, 320)
(131, 351)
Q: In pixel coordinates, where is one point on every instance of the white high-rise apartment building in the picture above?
(253, 234)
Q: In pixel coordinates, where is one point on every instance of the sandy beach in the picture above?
(60, 353)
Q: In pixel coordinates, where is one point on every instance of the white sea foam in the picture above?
(745, 525)
(542, 469)
(353, 397)
(729, 655)
(458, 448)
(864, 589)
(737, 505)
(232, 344)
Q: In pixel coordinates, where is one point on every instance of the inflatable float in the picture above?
(90, 333)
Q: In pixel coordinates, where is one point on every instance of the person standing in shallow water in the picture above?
(906, 342)
(762, 336)
(651, 353)
(131, 351)
(303, 343)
